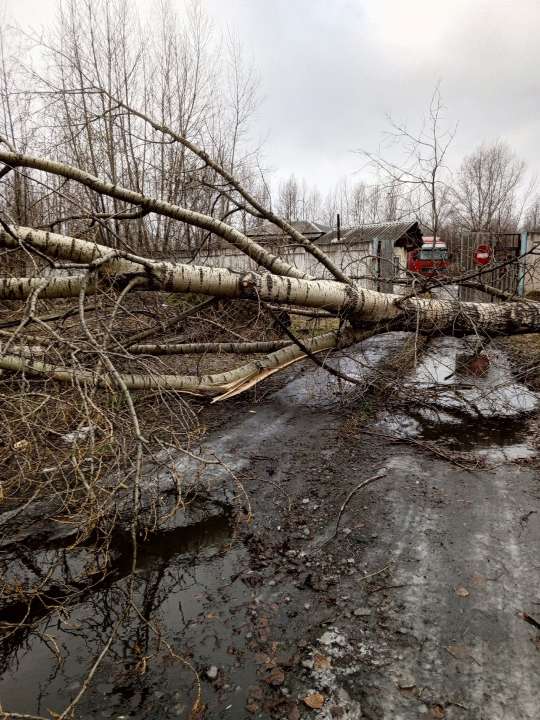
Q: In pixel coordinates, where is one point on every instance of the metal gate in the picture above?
(505, 272)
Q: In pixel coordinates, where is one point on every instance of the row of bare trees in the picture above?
(67, 102)
(360, 203)
(413, 179)
(194, 80)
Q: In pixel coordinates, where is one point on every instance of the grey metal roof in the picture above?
(385, 232)
(306, 227)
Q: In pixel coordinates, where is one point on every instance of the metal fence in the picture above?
(505, 273)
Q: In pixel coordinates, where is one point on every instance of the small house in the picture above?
(374, 255)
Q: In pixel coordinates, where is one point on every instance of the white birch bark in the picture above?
(255, 251)
(220, 385)
(358, 304)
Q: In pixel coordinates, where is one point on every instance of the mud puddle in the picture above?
(187, 586)
(484, 414)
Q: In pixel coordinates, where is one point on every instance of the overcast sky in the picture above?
(331, 70)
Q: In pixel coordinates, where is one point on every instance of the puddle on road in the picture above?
(485, 415)
(189, 582)
(497, 441)
(318, 389)
(495, 394)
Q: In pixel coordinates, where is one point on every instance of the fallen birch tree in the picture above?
(104, 343)
(360, 307)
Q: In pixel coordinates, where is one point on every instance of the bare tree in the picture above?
(418, 179)
(532, 217)
(485, 195)
(15, 121)
(288, 201)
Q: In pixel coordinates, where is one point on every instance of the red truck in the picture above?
(429, 260)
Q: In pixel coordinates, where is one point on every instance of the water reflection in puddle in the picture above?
(189, 583)
(484, 415)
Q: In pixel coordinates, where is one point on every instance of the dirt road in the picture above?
(463, 549)
(413, 610)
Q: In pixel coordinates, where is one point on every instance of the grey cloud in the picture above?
(331, 69)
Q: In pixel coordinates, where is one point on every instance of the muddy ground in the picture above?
(420, 604)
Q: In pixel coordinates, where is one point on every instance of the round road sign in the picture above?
(482, 255)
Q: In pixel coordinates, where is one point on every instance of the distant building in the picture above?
(374, 255)
(267, 232)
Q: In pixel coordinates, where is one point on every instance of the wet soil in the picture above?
(412, 609)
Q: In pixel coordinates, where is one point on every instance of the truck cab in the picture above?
(430, 260)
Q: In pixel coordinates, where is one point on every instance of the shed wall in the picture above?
(357, 261)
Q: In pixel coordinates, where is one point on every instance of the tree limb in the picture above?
(256, 252)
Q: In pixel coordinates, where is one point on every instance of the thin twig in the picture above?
(363, 484)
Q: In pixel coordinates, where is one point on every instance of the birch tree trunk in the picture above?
(360, 305)
(98, 264)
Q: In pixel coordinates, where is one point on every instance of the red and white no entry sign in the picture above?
(482, 255)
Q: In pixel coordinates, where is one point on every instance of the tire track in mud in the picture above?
(468, 657)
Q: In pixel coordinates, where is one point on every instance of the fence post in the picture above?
(523, 247)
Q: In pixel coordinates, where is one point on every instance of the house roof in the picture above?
(390, 233)
(408, 232)
(306, 227)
